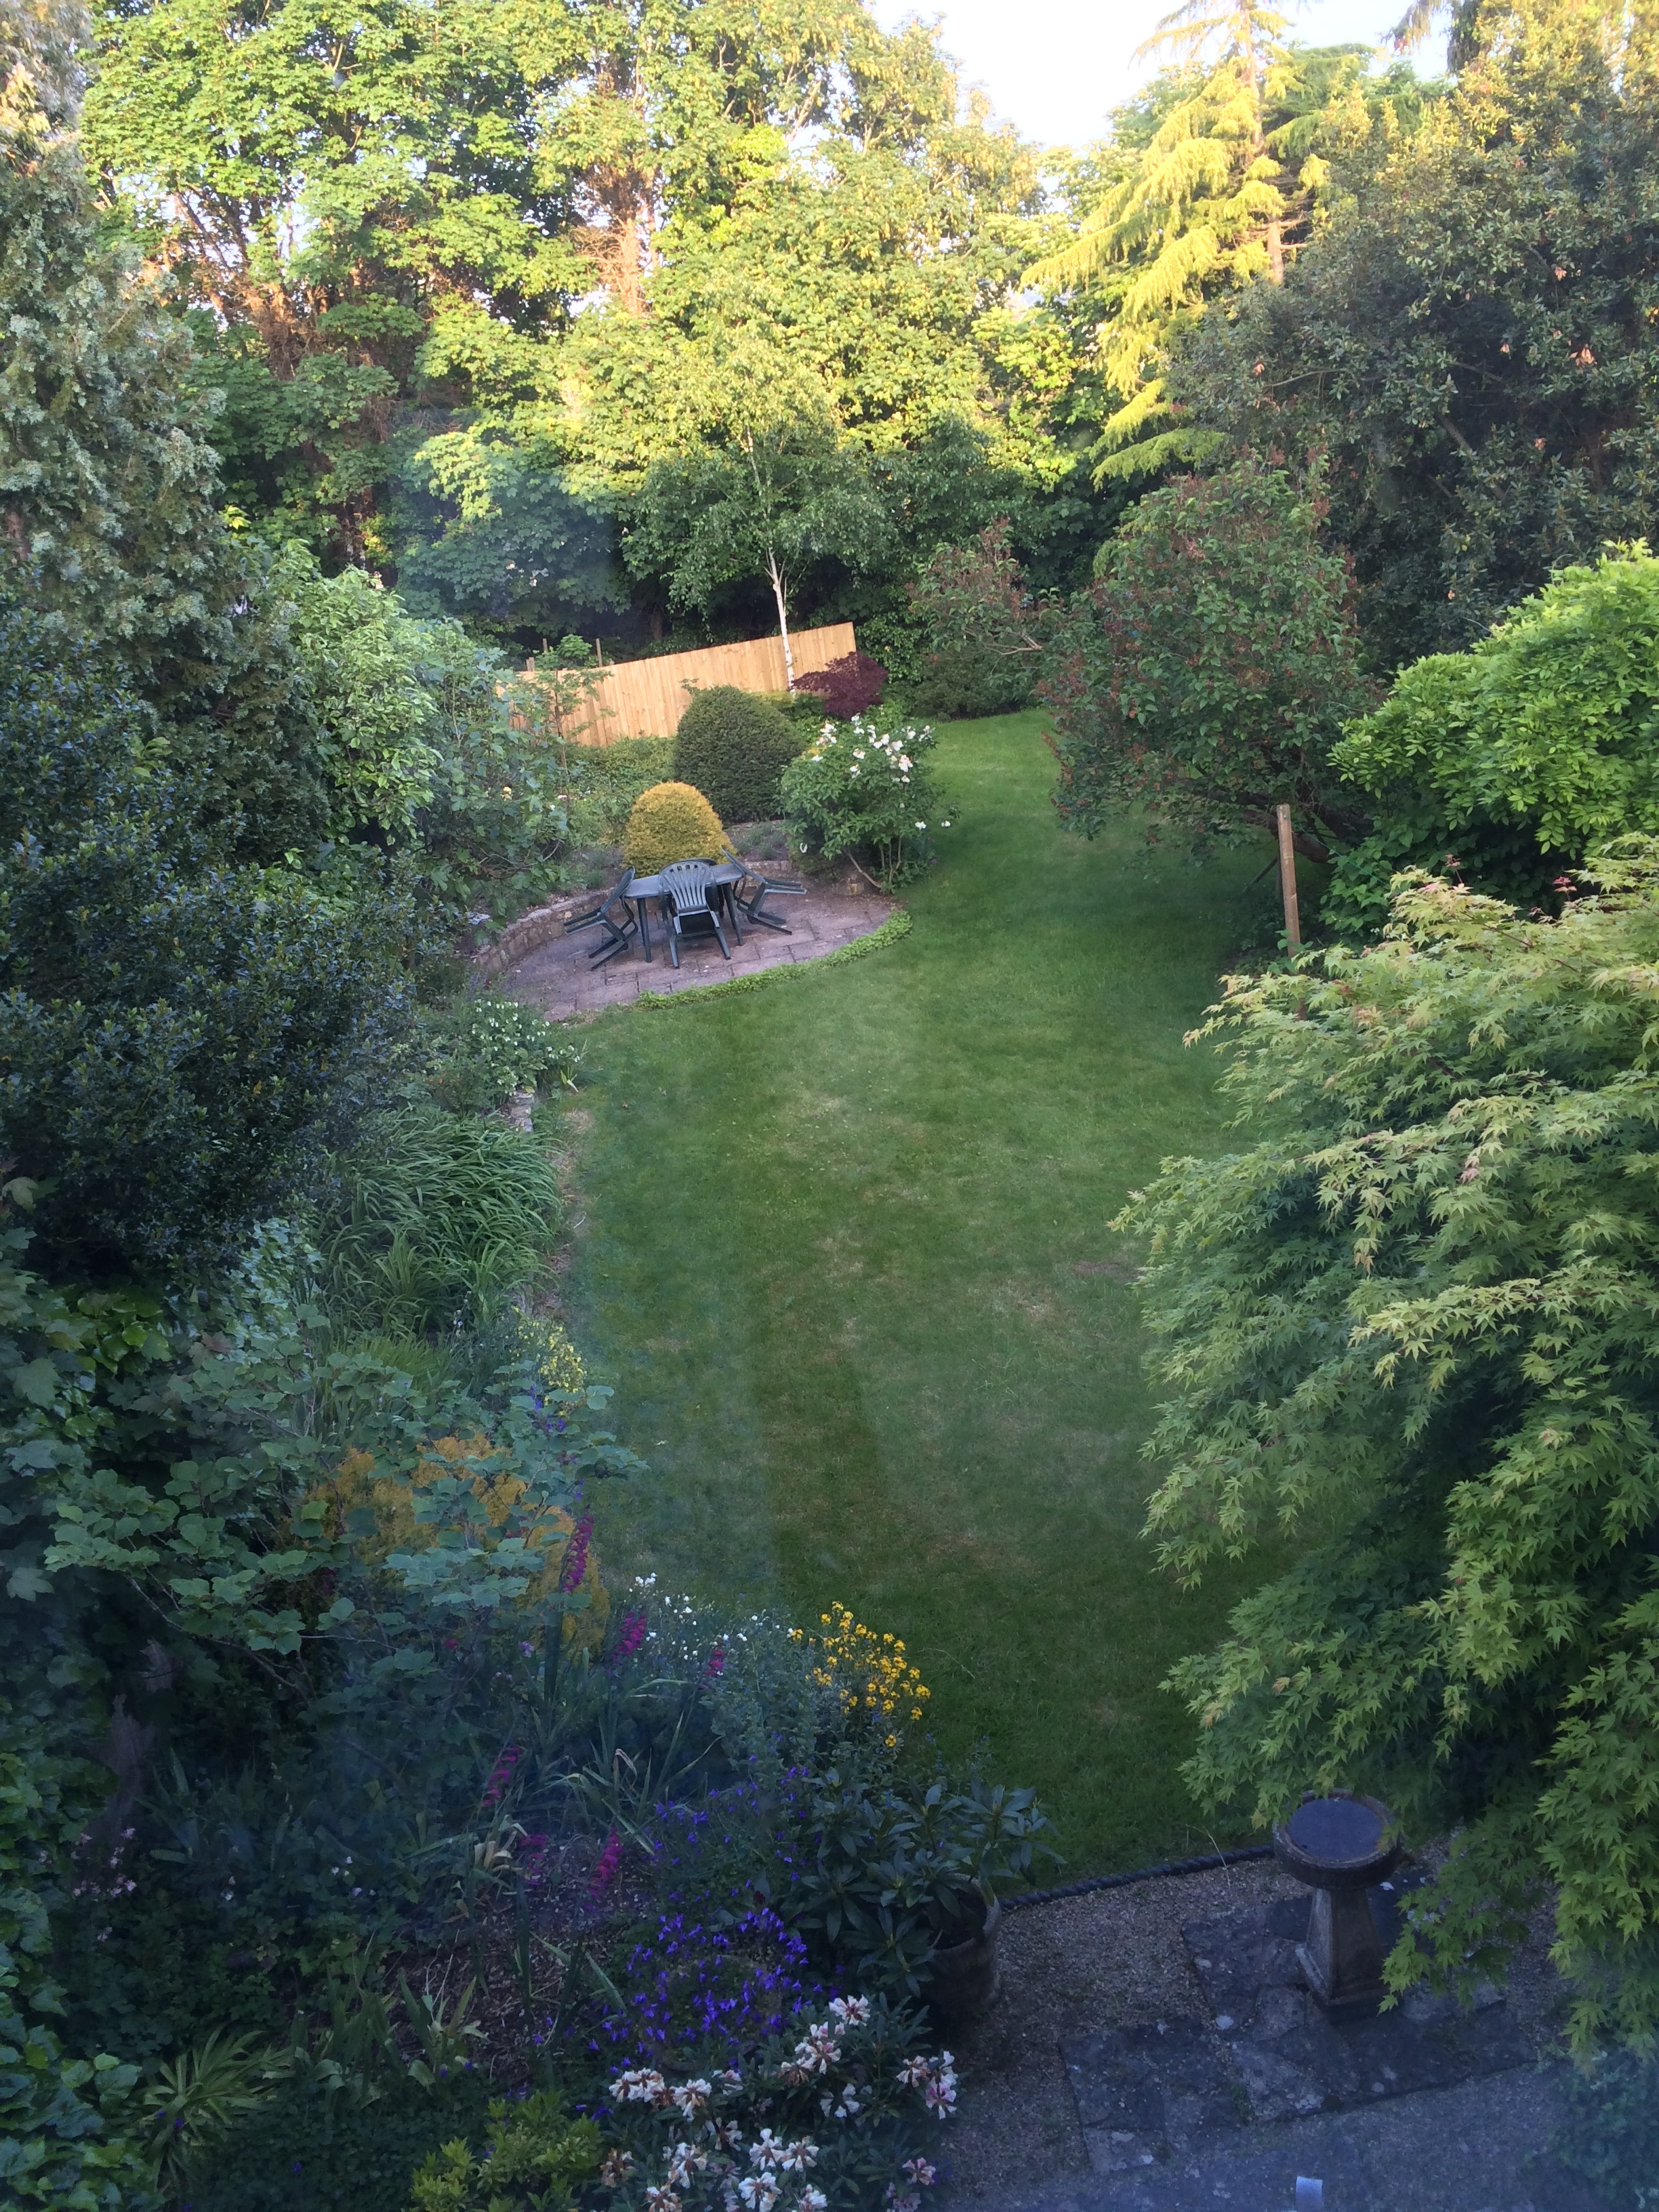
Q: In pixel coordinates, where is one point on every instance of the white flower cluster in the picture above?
(936, 2078)
(861, 749)
(709, 2167)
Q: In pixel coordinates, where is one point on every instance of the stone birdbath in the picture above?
(1339, 1844)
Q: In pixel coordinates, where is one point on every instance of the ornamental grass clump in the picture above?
(671, 822)
(435, 1220)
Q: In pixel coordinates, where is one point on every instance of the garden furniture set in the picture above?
(711, 898)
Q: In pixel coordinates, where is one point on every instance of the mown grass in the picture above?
(846, 1256)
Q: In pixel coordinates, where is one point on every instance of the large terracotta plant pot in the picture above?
(965, 1973)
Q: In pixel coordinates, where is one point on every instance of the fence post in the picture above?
(1287, 878)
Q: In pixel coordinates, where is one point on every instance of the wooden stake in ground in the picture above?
(1287, 878)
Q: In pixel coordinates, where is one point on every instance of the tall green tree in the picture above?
(1214, 179)
(461, 272)
(780, 500)
(106, 483)
(1204, 679)
(1471, 341)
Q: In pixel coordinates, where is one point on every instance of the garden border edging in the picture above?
(527, 934)
(884, 934)
(1207, 1864)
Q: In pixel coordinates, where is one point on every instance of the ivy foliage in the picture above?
(1207, 676)
(1409, 1318)
(1522, 755)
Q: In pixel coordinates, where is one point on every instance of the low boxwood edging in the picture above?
(887, 933)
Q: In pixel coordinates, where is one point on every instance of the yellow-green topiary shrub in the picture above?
(671, 822)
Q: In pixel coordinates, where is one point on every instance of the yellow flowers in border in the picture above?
(868, 1671)
(506, 1510)
(559, 1368)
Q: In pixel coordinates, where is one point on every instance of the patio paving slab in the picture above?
(557, 976)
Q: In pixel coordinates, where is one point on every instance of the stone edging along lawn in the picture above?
(884, 934)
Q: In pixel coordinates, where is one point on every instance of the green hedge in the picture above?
(734, 746)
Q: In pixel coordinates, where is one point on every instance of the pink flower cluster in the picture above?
(574, 1568)
(501, 1778)
(606, 1866)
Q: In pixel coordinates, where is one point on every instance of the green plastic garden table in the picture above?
(725, 878)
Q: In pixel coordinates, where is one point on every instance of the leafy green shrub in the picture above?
(68, 2126)
(1521, 756)
(733, 746)
(179, 1036)
(604, 780)
(1407, 1317)
(435, 1220)
(1205, 677)
(981, 629)
(864, 790)
(489, 1046)
(305, 2152)
(874, 1867)
(1610, 2133)
(535, 2158)
(671, 822)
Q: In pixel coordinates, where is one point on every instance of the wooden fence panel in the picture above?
(645, 698)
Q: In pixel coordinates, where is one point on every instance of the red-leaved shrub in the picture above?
(852, 685)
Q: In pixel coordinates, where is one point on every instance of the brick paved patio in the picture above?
(557, 977)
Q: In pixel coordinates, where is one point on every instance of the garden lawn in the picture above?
(844, 1252)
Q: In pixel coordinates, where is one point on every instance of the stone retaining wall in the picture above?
(525, 935)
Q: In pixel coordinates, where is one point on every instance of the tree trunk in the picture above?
(783, 618)
(1274, 229)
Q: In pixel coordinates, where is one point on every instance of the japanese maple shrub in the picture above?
(852, 685)
(1408, 1314)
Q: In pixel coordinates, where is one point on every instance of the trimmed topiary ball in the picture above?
(735, 746)
(671, 822)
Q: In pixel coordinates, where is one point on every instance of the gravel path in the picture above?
(1114, 1958)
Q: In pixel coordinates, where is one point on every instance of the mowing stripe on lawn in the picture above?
(846, 1259)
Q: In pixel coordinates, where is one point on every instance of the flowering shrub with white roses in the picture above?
(825, 2120)
(868, 791)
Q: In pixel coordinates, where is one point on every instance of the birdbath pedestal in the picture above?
(1339, 1844)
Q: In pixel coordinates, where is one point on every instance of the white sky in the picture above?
(1055, 67)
